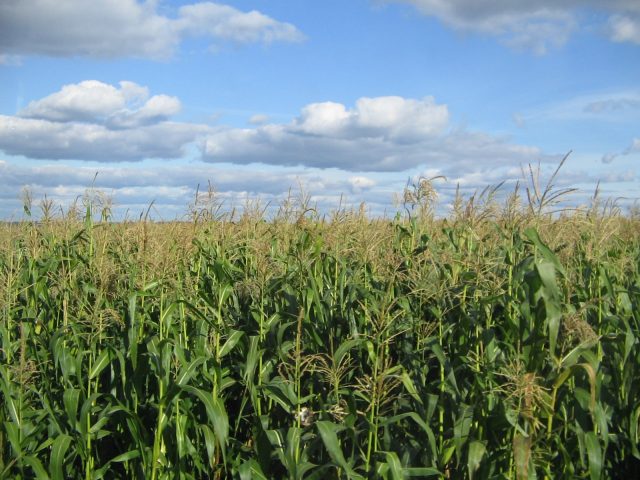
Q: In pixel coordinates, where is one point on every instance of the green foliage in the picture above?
(481, 346)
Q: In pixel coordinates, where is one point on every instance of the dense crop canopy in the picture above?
(482, 346)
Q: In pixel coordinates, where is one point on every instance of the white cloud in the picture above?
(258, 119)
(359, 183)
(45, 139)
(156, 109)
(327, 118)
(393, 117)
(133, 93)
(531, 25)
(227, 23)
(90, 100)
(378, 134)
(625, 28)
(92, 120)
(96, 102)
(401, 118)
(126, 28)
(534, 25)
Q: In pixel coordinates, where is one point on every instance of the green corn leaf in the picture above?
(547, 273)
(220, 421)
(474, 457)
(187, 373)
(591, 375)
(293, 442)
(36, 466)
(574, 355)
(282, 393)
(12, 406)
(328, 433)
(382, 470)
(439, 353)
(216, 413)
(231, 342)
(167, 314)
(546, 252)
(210, 443)
(13, 433)
(224, 292)
(461, 429)
(344, 348)
(420, 422)
(594, 454)
(58, 450)
(410, 386)
(101, 362)
(86, 410)
(251, 361)
(423, 472)
(126, 456)
(250, 470)
(71, 399)
(395, 467)
(103, 417)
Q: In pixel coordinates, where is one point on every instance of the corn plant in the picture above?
(500, 342)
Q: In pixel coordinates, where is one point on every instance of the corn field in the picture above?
(500, 342)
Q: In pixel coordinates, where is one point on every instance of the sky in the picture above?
(345, 101)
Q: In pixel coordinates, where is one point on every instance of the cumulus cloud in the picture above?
(127, 28)
(156, 109)
(392, 117)
(98, 102)
(92, 120)
(534, 25)
(378, 134)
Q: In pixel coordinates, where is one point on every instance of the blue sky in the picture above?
(347, 99)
